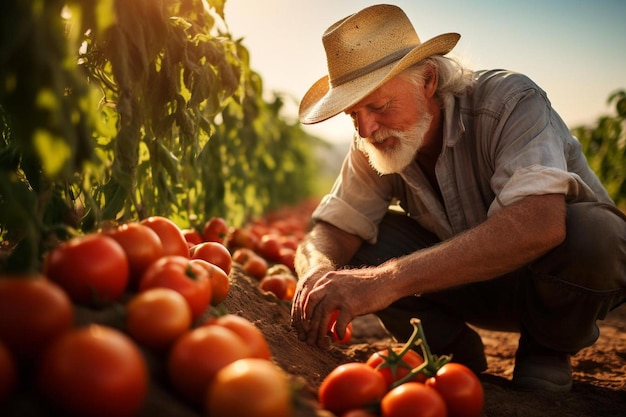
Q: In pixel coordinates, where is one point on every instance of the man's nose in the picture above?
(365, 124)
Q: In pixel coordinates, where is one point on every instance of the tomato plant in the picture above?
(93, 269)
(33, 312)
(213, 252)
(142, 247)
(156, 317)
(249, 333)
(349, 386)
(181, 274)
(215, 230)
(94, 371)
(250, 387)
(460, 388)
(197, 356)
(8, 372)
(413, 399)
(395, 363)
(171, 236)
(220, 284)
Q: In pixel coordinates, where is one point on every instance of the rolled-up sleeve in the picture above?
(533, 151)
(537, 179)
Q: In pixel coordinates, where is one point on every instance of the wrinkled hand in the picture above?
(353, 292)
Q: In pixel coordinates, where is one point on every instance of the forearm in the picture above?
(325, 248)
(508, 240)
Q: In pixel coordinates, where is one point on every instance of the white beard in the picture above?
(394, 159)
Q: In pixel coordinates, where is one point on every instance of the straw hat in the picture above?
(363, 51)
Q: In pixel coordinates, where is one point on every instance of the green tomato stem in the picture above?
(432, 363)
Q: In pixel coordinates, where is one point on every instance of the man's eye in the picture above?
(379, 109)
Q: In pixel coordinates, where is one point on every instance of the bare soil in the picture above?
(599, 387)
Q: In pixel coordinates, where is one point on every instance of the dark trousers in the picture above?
(557, 298)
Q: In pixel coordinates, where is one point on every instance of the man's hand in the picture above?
(299, 320)
(354, 292)
(320, 253)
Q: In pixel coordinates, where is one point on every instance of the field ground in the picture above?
(599, 388)
(599, 371)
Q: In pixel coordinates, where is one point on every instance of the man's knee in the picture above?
(593, 254)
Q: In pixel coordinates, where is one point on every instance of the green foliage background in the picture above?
(162, 116)
(605, 147)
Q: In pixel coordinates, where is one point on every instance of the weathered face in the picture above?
(391, 124)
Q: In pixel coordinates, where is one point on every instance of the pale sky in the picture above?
(574, 49)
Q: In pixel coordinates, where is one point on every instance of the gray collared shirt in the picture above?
(502, 142)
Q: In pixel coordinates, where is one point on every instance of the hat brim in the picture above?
(321, 102)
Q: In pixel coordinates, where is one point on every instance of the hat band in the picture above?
(371, 67)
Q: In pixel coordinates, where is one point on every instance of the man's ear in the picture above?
(431, 80)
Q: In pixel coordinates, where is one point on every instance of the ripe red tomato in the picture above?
(460, 388)
(359, 412)
(287, 256)
(94, 371)
(181, 274)
(215, 253)
(250, 387)
(249, 333)
(413, 399)
(346, 337)
(156, 317)
(142, 246)
(239, 237)
(251, 263)
(394, 368)
(215, 230)
(349, 386)
(93, 269)
(283, 286)
(33, 312)
(8, 372)
(332, 329)
(269, 247)
(192, 237)
(171, 236)
(220, 283)
(197, 356)
(289, 241)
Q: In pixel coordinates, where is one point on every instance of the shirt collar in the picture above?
(453, 127)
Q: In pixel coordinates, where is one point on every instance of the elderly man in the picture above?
(464, 200)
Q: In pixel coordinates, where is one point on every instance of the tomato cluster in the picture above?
(93, 370)
(265, 250)
(165, 283)
(399, 382)
(274, 237)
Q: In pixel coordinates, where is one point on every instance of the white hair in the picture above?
(454, 78)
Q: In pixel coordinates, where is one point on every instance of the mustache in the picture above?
(381, 135)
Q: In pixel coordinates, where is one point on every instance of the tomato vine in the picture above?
(120, 110)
